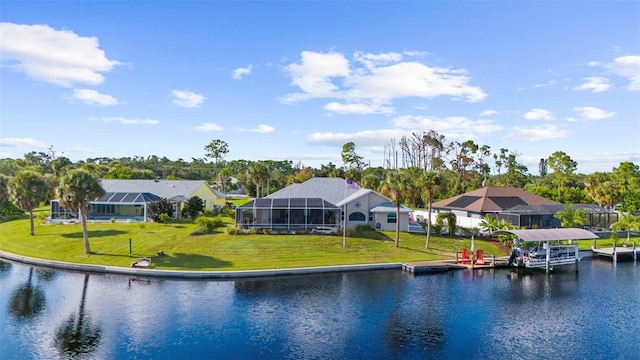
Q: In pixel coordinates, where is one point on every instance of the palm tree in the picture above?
(431, 181)
(28, 189)
(570, 217)
(258, 173)
(394, 186)
(626, 222)
(77, 189)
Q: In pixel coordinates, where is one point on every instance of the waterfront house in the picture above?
(129, 199)
(321, 202)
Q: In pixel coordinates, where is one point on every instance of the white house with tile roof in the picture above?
(362, 206)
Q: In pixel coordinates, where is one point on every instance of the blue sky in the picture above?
(296, 80)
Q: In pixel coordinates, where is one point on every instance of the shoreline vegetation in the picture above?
(120, 244)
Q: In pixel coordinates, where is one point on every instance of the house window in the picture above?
(370, 216)
(391, 218)
(357, 216)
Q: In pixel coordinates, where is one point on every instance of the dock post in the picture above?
(129, 246)
(577, 257)
(493, 261)
(635, 256)
(456, 257)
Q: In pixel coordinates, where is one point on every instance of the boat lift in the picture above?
(545, 255)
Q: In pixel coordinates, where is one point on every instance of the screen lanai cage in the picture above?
(288, 214)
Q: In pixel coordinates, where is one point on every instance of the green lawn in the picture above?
(110, 246)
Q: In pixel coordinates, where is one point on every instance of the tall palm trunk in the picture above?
(85, 233)
(31, 221)
(397, 224)
(428, 221)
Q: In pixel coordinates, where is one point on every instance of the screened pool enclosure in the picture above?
(288, 214)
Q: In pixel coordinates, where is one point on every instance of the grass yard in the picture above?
(220, 251)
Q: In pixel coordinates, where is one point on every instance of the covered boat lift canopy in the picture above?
(552, 234)
(548, 255)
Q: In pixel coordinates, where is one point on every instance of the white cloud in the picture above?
(539, 114)
(595, 84)
(451, 127)
(92, 97)
(187, 99)
(593, 113)
(411, 79)
(365, 138)
(374, 78)
(262, 128)
(22, 142)
(374, 60)
(125, 121)
(313, 75)
(487, 113)
(455, 127)
(207, 127)
(548, 83)
(628, 67)
(59, 57)
(358, 108)
(5, 155)
(240, 72)
(537, 133)
(593, 63)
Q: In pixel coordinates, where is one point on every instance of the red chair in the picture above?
(479, 257)
(466, 257)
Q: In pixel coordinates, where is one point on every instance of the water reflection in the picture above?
(78, 336)
(374, 315)
(27, 301)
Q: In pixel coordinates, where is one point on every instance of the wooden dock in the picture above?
(427, 267)
(622, 253)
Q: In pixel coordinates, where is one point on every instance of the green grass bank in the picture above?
(221, 251)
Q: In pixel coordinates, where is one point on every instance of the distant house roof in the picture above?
(389, 207)
(551, 209)
(127, 198)
(163, 188)
(492, 199)
(333, 190)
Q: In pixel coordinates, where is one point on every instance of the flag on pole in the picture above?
(351, 184)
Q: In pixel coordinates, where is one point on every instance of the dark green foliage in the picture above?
(194, 207)
(8, 209)
(207, 225)
(446, 218)
(161, 206)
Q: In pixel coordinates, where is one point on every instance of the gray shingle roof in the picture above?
(163, 188)
(332, 190)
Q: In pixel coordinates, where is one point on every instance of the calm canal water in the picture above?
(488, 314)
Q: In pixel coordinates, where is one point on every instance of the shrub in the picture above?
(207, 224)
(113, 220)
(196, 232)
(362, 228)
(232, 230)
(42, 217)
(164, 218)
